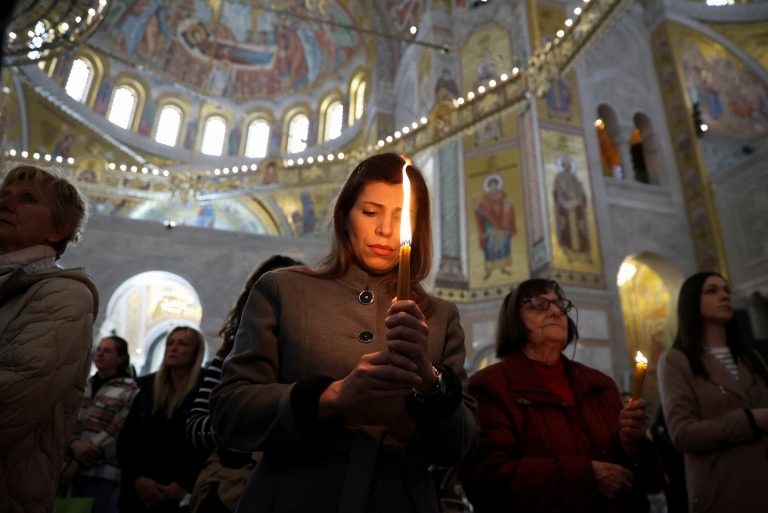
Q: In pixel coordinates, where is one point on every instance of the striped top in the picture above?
(724, 356)
(199, 429)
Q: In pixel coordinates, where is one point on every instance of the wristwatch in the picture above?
(436, 394)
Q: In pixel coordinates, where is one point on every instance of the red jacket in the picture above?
(535, 452)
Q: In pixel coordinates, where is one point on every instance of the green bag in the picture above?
(69, 504)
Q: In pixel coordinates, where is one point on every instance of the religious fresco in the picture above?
(424, 79)
(406, 13)
(307, 211)
(90, 170)
(235, 49)
(496, 236)
(749, 37)
(484, 56)
(560, 104)
(218, 214)
(732, 98)
(571, 210)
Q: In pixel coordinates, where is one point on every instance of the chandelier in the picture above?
(42, 29)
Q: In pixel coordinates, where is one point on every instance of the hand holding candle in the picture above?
(641, 366)
(404, 270)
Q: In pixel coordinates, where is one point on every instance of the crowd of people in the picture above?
(355, 403)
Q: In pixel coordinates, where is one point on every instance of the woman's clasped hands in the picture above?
(394, 372)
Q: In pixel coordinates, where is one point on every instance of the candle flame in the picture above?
(641, 360)
(405, 215)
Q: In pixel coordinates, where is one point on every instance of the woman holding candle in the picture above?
(715, 400)
(350, 392)
(554, 435)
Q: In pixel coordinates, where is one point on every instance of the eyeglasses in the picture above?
(542, 303)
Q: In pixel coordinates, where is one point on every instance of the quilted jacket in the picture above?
(46, 329)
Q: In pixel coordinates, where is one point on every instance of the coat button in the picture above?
(366, 297)
(365, 337)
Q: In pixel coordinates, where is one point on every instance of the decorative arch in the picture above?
(144, 308)
(648, 289)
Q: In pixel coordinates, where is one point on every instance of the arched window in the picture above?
(257, 139)
(123, 106)
(334, 119)
(646, 158)
(214, 133)
(79, 79)
(610, 156)
(168, 125)
(356, 98)
(298, 132)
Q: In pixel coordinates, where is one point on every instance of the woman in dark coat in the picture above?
(350, 392)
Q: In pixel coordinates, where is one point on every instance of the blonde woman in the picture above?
(159, 465)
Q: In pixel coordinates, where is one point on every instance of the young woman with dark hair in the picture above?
(351, 393)
(93, 469)
(715, 401)
(221, 482)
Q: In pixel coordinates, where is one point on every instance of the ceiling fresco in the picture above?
(235, 48)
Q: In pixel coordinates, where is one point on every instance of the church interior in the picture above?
(616, 146)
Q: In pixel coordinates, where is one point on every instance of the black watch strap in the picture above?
(439, 403)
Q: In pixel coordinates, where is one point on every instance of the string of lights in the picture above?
(518, 85)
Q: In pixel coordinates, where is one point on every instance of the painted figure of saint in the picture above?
(570, 211)
(495, 217)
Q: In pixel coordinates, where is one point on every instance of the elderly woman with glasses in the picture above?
(554, 435)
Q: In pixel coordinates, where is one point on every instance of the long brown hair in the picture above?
(690, 330)
(229, 329)
(166, 397)
(387, 168)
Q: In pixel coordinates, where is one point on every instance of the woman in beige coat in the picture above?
(350, 392)
(715, 400)
(46, 325)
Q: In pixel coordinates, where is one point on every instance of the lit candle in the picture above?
(404, 270)
(641, 365)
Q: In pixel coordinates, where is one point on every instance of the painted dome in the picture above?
(240, 50)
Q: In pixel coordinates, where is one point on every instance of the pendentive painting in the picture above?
(484, 56)
(495, 220)
(560, 104)
(730, 94)
(571, 210)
